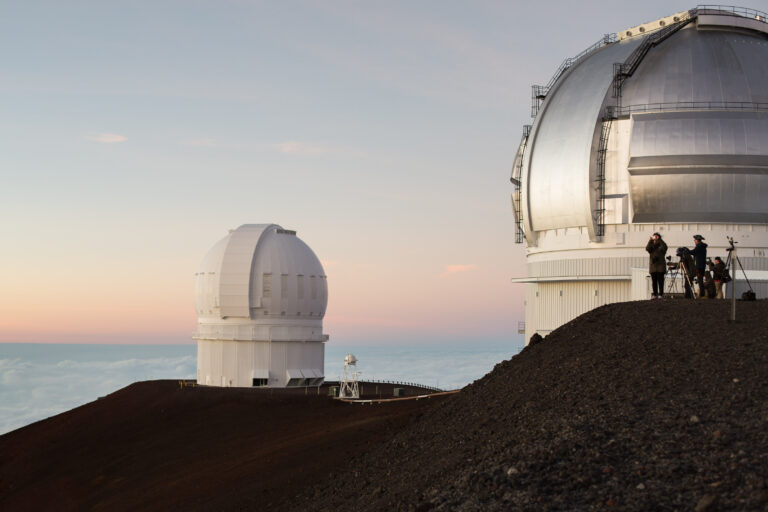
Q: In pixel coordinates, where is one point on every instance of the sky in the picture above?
(133, 135)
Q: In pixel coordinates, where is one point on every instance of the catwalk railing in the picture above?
(517, 173)
(613, 112)
(732, 10)
(623, 70)
(539, 92)
(399, 383)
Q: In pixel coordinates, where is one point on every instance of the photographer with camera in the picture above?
(699, 254)
(657, 267)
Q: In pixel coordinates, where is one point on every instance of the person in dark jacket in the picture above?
(720, 275)
(709, 285)
(699, 254)
(657, 249)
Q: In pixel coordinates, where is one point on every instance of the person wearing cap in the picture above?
(699, 254)
(657, 249)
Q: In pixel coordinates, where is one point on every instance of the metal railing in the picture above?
(623, 70)
(539, 92)
(399, 383)
(613, 112)
(732, 10)
(517, 180)
(602, 150)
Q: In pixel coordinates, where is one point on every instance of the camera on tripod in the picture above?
(672, 265)
(732, 264)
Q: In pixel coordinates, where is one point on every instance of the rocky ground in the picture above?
(157, 446)
(655, 405)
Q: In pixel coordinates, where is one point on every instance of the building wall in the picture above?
(236, 363)
(550, 305)
(568, 275)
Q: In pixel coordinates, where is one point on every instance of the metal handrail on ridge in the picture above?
(412, 384)
(541, 91)
(517, 173)
(631, 63)
(686, 105)
(733, 10)
(624, 70)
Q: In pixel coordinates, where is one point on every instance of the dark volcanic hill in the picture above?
(655, 405)
(156, 446)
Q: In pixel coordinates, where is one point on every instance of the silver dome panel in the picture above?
(557, 168)
(701, 66)
(709, 166)
(702, 158)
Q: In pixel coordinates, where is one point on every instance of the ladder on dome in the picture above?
(602, 150)
(517, 173)
(539, 92)
(623, 70)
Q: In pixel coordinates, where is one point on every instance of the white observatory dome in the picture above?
(260, 297)
(662, 127)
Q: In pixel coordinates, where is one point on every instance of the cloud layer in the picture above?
(38, 381)
(449, 270)
(34, 386)
(106, 138)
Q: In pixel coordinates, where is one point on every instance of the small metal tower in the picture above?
(348, 388)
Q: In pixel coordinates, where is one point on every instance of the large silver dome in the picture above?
(662, 127)
(698, 140)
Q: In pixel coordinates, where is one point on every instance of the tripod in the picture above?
(676, 269)
(733, 257)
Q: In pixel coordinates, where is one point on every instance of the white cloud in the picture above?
(208, 143)
(33, 390)
(106, 138)
(310, 149)
(449, 270)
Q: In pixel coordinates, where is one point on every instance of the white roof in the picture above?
(260, 270)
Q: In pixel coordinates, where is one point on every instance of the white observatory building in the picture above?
(260, 296)
(660, 127)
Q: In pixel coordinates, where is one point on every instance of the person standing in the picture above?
(709, 285)
(720, 274)
(657, 267)
(699, 254)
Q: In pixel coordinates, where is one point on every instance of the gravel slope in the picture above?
(654, 405)
(156, 446)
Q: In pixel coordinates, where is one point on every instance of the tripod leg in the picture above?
(690, 285)
(745, 274)
(671, 288)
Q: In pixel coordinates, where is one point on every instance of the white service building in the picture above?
(260, 297)
(659, 127)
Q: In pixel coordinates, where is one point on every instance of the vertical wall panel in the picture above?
(549, 310)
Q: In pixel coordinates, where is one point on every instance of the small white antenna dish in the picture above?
(348, 388)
